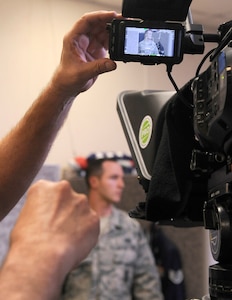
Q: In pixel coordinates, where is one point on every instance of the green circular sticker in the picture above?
(145, 132)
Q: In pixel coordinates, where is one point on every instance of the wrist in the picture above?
(64, 85)
(32, 272)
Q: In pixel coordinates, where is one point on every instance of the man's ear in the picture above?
(93, 181)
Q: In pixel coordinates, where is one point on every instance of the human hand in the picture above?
(83, 56)
(56, 227)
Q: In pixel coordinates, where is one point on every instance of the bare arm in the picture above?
(24, 149)
(55, 231)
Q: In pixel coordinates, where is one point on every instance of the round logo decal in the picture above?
(145, 132)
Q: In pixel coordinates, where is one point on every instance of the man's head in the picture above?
(105, 179)
(148, 34)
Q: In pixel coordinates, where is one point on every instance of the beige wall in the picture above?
(31, 34)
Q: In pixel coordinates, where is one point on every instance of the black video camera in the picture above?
(191, 180)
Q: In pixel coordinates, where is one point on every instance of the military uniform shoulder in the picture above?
(126, 219)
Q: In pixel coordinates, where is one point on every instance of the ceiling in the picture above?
(209, 13)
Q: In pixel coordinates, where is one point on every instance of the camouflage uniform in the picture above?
(120, 267)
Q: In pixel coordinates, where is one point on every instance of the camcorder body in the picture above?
(191, 181)
(212, 93)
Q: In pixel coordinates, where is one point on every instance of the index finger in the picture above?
(93, 21)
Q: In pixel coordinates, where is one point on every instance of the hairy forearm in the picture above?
(24, 276)
(24, 149)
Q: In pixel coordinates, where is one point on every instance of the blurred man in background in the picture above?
(121, 266)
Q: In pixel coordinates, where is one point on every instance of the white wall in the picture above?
(31, 34)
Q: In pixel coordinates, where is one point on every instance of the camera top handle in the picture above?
(165, 10)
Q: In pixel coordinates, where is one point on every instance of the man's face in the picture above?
(110, 184)
(149, 35)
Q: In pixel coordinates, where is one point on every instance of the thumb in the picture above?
(103, 65)
(92, 69)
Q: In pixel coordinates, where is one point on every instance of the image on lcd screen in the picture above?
(149, 42)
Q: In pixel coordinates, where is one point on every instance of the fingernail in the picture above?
(110, 65)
